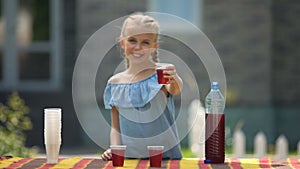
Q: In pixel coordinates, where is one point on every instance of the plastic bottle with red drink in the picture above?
(214, 125)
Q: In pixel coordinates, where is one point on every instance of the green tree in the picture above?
(13, 124)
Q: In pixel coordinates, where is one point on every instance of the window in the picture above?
(1, 65)
(186, 9)
(30, 45)
(1, 40)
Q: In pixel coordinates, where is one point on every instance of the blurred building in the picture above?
(257, 42)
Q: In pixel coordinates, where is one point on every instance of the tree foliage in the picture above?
(13, 124)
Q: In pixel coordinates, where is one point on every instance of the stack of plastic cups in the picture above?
(52, 133)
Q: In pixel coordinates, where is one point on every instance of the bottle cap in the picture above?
(214, 85)
(207, 161)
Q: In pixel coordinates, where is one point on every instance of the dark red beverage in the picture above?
(155, 158)
(118, 157)
(215, 138)
(160, 76)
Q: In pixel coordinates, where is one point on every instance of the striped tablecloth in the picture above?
(186, 163)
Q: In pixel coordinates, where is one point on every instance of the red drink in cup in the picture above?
(117, 158)
(155, 158)
(155, 153)
(160, 76)
(118, 153)
(161, 67)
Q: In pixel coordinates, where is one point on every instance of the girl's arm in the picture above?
(175, 83)
(115, 138)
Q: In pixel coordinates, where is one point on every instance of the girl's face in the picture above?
(138, 48)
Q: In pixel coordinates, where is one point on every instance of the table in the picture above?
(186, 163)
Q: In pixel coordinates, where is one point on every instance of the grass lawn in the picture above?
(187, 153)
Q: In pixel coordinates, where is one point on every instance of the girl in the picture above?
(142, 111)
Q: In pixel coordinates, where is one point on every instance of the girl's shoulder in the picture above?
(117, 78)
(127, 78)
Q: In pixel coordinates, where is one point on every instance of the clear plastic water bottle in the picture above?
(214, 126)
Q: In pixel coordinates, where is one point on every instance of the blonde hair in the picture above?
(148, 25)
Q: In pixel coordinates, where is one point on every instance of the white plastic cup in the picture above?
(52, 110)
(52, 126)
(52, 153)
(52, 139)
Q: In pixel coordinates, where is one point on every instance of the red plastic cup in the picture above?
(155, 153)
(118, 153)
(161, 67)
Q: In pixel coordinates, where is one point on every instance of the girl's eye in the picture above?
(131, 40)
(146, 43)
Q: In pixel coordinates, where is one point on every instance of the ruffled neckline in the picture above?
(128, 83)
(135, 94)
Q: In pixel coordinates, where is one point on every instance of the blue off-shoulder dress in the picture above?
(146, 116)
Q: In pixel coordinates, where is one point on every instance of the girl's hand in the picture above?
(106, 155)
(175, 84)
(170, 73)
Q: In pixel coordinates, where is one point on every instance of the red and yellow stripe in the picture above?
(20, 163)
(294, 163)
(193, 163)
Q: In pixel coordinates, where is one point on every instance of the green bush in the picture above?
(13, 124)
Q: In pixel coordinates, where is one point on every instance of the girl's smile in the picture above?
(138, 54)
(139, 46)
